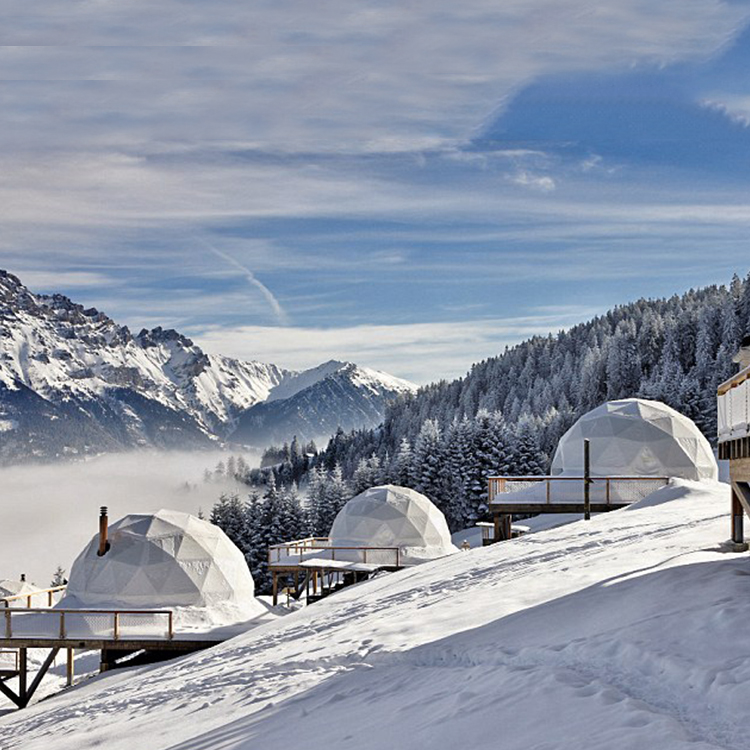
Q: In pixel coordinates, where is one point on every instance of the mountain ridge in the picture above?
(155, 388)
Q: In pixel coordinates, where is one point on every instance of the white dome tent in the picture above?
(15, 588)
(392, 516)
(166, 559)
(635, 437)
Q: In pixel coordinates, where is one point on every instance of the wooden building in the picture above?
(734, 439)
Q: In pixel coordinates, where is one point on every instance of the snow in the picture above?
(58, 350)
(624, 632)
(363, 377)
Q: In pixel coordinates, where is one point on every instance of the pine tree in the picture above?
(58, 577)
(427, 461)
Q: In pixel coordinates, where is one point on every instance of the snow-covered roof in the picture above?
(14, 588)
(164, 559)
(636, 437)
(393, 516)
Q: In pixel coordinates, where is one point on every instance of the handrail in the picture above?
(302, 542)
(5, 601)
(497, 484)
(593, 477)
(303, 550)
(734, 381)
(10, 613)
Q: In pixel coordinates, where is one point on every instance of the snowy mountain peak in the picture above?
(74, 381)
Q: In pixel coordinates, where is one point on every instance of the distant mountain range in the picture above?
(74, 382)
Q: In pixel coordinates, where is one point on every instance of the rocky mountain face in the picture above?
(74, 382)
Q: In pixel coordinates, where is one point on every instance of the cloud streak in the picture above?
(254, 282)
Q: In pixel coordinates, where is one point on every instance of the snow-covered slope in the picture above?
(625, 632)
(314, 403)
(73, 381)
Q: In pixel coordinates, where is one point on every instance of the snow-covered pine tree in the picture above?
(58, 577)
(428, 461)
(526, 453)
(403, 464)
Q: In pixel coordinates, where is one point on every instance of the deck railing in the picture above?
(734, 407)
(563, 489)
(294, 553)
(28, 600)
(100, 624)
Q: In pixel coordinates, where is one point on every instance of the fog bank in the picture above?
(48, 513)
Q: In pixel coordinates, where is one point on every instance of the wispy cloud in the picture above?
(422, 352)
(268, 295)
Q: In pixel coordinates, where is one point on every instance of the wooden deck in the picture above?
(317, 568)
(533, 495)
(117, 634)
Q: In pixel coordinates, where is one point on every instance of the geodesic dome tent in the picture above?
(636, 437)
(392, 516)
(15, 588)
(164, 559)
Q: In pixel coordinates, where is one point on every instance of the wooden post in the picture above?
(23, 673)
(70, 667)
(275, 589)
(738, 519)
(8, 628)
(587, 480)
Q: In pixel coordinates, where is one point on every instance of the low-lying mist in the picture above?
(49, 513)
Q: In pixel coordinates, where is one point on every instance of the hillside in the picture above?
(624, 632)
(508, 413)
(74, 382)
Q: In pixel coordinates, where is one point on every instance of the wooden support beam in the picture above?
(26, 691)
(70, 666)
(23, 671)
(40, 674)
(275, 588)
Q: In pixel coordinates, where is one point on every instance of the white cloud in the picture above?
(421, 352)
(542, 183)
(736, 108)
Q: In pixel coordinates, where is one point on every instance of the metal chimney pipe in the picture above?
(103, 524)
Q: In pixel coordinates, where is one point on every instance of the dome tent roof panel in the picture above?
(162, 560)
(648, 438)
(393, 516)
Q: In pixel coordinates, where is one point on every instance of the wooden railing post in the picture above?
(8, 629)
(587, 480)
(62, 625)
(116, 626)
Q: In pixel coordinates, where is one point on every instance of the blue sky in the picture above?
(409, 186)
